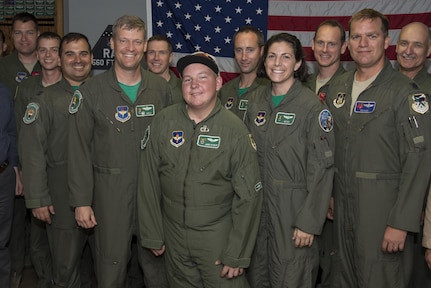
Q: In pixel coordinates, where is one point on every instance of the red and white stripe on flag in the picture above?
(302, 17)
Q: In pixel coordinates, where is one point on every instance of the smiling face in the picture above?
(129, 47)
(413, 47)
(76, 59)
(367, 42)
(327, 46)
(48, 53)
(247, 52)
(280, 63)
(24, 37)
(158, 57)
(200, 86)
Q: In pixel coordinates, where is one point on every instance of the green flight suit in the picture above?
(44, 155)
(12, 73)
(421, 276)
(176, 88)
(39, 246)
(106, 131)
(383, 167)
(311, 82)
(326, 238)
(200, 195)
(230, 99)
(295, 143)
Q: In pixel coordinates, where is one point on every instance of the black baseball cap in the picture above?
(198, 57)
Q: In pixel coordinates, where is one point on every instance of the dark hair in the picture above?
(302, 73)
(335, 24)
(24, 17)
(48, 35)
(251, 29)
(159, 37)
(73, 37)
(371, 14)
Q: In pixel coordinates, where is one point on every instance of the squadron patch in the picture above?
(75, 102)
(260, 118)
(229, 103)
(20, 76)
(123, 114)
(145, 110)
(283, 118)
(177, 138)
(364, 107)
(243, 105)
(420, 103)
(31, 113)
(340, 100)
(325, 120)
(253, 144)
(207, 141)
(146, 137)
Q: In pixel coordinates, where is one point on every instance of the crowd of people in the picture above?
(278, 178)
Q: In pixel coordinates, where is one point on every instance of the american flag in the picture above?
(209, 25)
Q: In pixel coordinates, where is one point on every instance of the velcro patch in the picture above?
(31, 113)
(75, 102)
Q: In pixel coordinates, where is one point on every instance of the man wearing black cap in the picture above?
(199, 198)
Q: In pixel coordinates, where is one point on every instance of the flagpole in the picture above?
(149, 19)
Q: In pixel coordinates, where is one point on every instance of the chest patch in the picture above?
(340, 100)
(207, 141)
(145, 110)
(283, 118)
(364, 107)
(123, 114)
(177, 138)
(243, 104)
(229, 103)
(420, 103)
(260, 118)
(30, 113)
(75, 102)
(20, 76)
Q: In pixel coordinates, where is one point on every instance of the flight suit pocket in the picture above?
(413, 135)
(385, 272)
(324, 152)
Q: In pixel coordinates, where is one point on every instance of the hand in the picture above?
(393, 240)
(428, 257)
(330, 214)
(19, 191)
(302, 239)
(84, 216)
(229, 272)
(159, 252)
(43, 213)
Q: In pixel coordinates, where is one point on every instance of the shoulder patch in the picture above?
(325, 120)
(31, 113)
(420, 103)
(75, 102)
